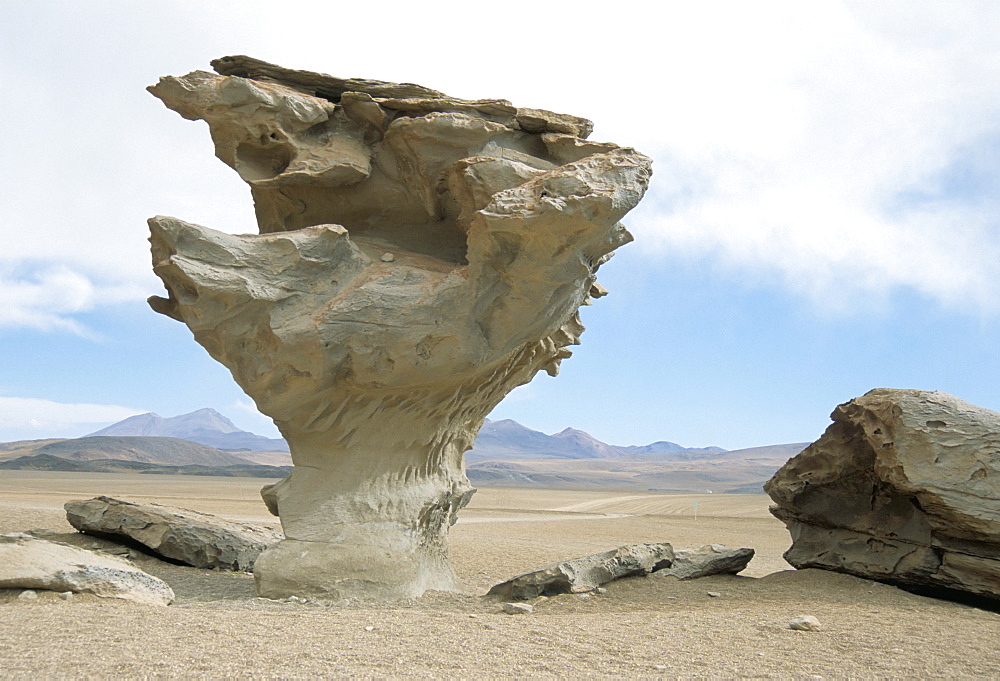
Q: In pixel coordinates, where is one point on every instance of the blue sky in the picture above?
(823, 217)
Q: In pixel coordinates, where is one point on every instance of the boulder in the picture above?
(30, 563)
(197, 539)
(587, 573)
(711, 559)
(903, 487)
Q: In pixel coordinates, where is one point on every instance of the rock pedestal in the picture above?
(419, 257)
(904, 487)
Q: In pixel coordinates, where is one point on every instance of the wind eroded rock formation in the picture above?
(903, 487)
(419, 256)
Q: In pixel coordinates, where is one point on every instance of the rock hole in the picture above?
(936, 424)
(256, 162)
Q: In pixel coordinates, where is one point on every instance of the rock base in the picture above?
(328, 571)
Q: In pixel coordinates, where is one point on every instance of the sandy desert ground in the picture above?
(645, 627)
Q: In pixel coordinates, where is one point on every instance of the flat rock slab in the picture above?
(711, 559)
(587, 573)
(30, 563)
(193, 538)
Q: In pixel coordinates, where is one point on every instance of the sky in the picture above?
(822, 220)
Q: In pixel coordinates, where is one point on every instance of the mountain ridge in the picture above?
(205, 426)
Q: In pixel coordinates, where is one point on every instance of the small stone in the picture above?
(714, 594)
(66, 595)
(369, 628)
(473, 615)
(27, 595)
(388, 257)
(518, 608)
(804, 623)
(295, 599)
(660, 667)
(584, 597)
(600, 590)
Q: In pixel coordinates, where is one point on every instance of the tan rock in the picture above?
(586, 574)
(904, 487)
(197, 539)
(419, 257)
(30, 563)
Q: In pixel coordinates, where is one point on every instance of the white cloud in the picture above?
(790, 138)
(24, 418)
(823, 160)
(47, 299)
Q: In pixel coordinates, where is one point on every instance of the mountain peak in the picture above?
(205, 426)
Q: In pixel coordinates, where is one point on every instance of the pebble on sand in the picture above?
(518, 608)
(804, 623)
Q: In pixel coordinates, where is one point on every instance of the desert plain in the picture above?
(642, 627)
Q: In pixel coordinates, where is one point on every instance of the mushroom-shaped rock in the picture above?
(903, 487)
(380, 370)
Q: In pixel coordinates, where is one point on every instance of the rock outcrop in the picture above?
(586, 574)
(711, 559)
(904, 487)
(30, 563)
(419, 257)
(196, 539)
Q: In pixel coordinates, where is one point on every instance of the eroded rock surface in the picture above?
(196, 539)
(904, 487)
(586, 574)
(711, 559)
(419, 257)
(30, 563)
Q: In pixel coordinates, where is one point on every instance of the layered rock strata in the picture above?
(30, 563)
(904, 487)
(197, 539)
(419, 256)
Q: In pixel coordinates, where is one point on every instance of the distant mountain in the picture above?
(48, 462)
(204, 426)
(508, 440)
(498, 440)
(156, 450)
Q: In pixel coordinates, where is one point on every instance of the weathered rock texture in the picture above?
(586, 574)
(30, 563)
(419, 256)
(711, 559)
(197, 539)
(904, 487)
